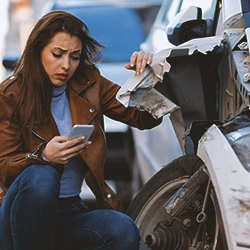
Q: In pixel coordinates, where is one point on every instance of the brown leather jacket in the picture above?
(89, 99)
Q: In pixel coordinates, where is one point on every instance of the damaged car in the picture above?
(199, 198)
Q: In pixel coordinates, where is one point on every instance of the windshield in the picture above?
(120, 29)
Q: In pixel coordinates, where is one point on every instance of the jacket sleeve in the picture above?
(13, 157)
(131, 116)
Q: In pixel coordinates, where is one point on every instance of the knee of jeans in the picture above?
(123, 231)
(41, 179)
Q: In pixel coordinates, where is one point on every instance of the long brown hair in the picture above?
(33, 101)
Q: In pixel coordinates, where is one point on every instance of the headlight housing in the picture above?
(240, 142)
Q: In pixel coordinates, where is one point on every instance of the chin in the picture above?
(58, 83)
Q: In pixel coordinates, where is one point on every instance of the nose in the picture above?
(65, 63)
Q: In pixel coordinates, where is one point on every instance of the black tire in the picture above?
(182, 166)
(146, 208)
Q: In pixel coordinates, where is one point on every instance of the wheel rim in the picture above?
(153, 212)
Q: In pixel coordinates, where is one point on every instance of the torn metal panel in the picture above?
(146, 80)
(202, 45)
(155, 73)
(140, 92)
(179, 127)
(152, 101)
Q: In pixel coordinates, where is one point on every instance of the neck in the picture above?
(57, 91)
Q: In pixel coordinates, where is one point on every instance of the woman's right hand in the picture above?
(60, 151)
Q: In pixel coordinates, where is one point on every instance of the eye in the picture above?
(56, 55)
(75, 58)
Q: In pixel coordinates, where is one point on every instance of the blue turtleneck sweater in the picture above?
(72, 178)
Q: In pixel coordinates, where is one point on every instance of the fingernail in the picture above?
(131, 65)
(89, 142)
(137, 73)
(141, 70)
(148, 62)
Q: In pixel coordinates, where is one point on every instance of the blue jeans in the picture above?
(33, 218)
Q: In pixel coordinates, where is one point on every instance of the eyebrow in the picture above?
(64, 50)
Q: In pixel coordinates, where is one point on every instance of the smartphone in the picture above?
(81, 130)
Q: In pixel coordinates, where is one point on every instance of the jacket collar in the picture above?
(90, 74)
(82, 112)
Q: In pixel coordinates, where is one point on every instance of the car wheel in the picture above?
(147, 209)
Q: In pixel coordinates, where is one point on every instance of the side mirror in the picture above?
(9, 62)
(188, 25)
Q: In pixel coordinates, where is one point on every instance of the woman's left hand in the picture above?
(139, 61)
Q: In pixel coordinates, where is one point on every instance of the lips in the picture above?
(62, 76)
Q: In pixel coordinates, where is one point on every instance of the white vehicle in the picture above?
(201, 199)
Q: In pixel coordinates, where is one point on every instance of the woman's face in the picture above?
(60, 57)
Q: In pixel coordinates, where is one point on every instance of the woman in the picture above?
(55, 85)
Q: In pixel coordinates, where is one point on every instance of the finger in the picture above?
(71, 143)
(60, 139)
(128, 66)
(73, 152)
(65, 155)
(81, 147)
(146, 60)
(140, 61)
(144, 63)
(76, 149)
(149, 59)
(133, 59)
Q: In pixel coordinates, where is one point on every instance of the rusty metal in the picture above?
(187, 193)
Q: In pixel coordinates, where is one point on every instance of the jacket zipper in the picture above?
(27, 156)
(32, 154)
(39, 136)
